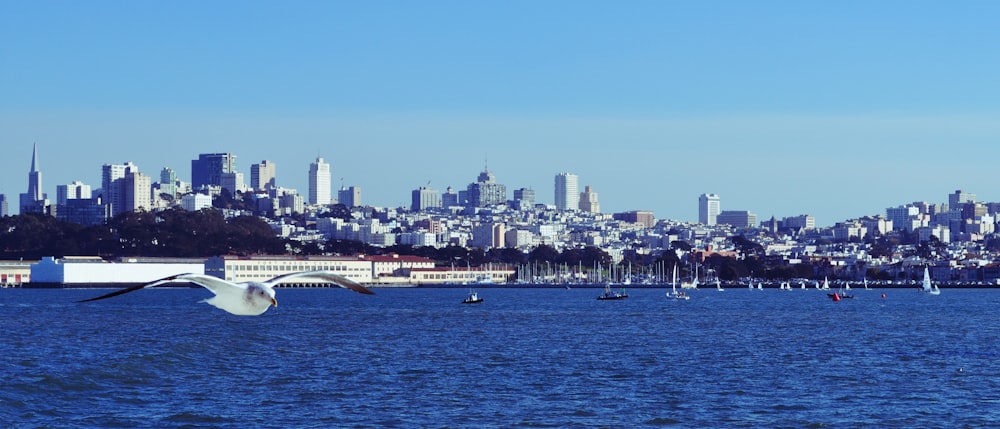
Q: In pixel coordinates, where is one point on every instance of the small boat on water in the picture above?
(473, 298)
(839, 295)
(612, 295)
(674, 293)
(927, 287)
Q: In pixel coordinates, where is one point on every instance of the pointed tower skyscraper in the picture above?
(34, 201)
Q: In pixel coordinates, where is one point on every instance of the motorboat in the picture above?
(612, 295)
(473, 298)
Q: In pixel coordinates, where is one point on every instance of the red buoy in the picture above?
(836, 296)
(883, 296)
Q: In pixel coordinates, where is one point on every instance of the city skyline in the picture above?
(780, 108)
(484, 192)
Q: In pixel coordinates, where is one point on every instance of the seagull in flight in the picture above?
(243, 299)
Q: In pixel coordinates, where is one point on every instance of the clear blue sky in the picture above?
(833, 108)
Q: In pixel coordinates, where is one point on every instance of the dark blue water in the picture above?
(524, 358)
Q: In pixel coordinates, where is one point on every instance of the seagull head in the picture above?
(260, 295)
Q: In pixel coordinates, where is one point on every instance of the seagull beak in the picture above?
(274, 302)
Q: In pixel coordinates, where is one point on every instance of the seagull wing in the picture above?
(172, 278)
(329, 276)
(216, 285)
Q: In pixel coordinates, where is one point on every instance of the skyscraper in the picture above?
(168, 182)
(424, 198)
(75, 205)
(34, 201)
(958, 199)
(137, 191)
(208, 169)
(262, 176)
(486, 192)
(567, 192)
(112, 194)
(588, 201)
(709, 207)
(319, 182)
(73, 191)
(449, 198)
(524, 198)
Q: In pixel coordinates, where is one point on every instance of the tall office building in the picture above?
(319, 182)
(588, 201)
(34, 201)
(424, 198)
(208, 169)
(233, 182)
(737, 218)
(73, 191)
(524, 198)
(350, 196)
(3, 205)
(262, 176)
(168, 182)
(958, 199)
(137, 191)
(450, 198)
(567, 192)
(124, 189)
(75, 204)
(485, 192)
(709, 207)
(112, 193)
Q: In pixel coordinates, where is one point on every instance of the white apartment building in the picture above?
(195, 202)
(567, 192)
(262, 176)
(319, 182)
(709, 207)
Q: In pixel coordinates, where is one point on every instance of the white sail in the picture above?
(927, 286)
(674, 282)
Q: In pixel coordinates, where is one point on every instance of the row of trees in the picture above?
(171, 233)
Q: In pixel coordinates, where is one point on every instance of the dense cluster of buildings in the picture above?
(482, 215)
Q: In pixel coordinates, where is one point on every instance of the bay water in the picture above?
(524, 358)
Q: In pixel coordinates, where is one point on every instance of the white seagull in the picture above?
(243, 299)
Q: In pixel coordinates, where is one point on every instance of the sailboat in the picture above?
(674, 294)
(826, 283)
(928, 287)
(694, 281)
(866, 284)
(802, 285)
(718, 285)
